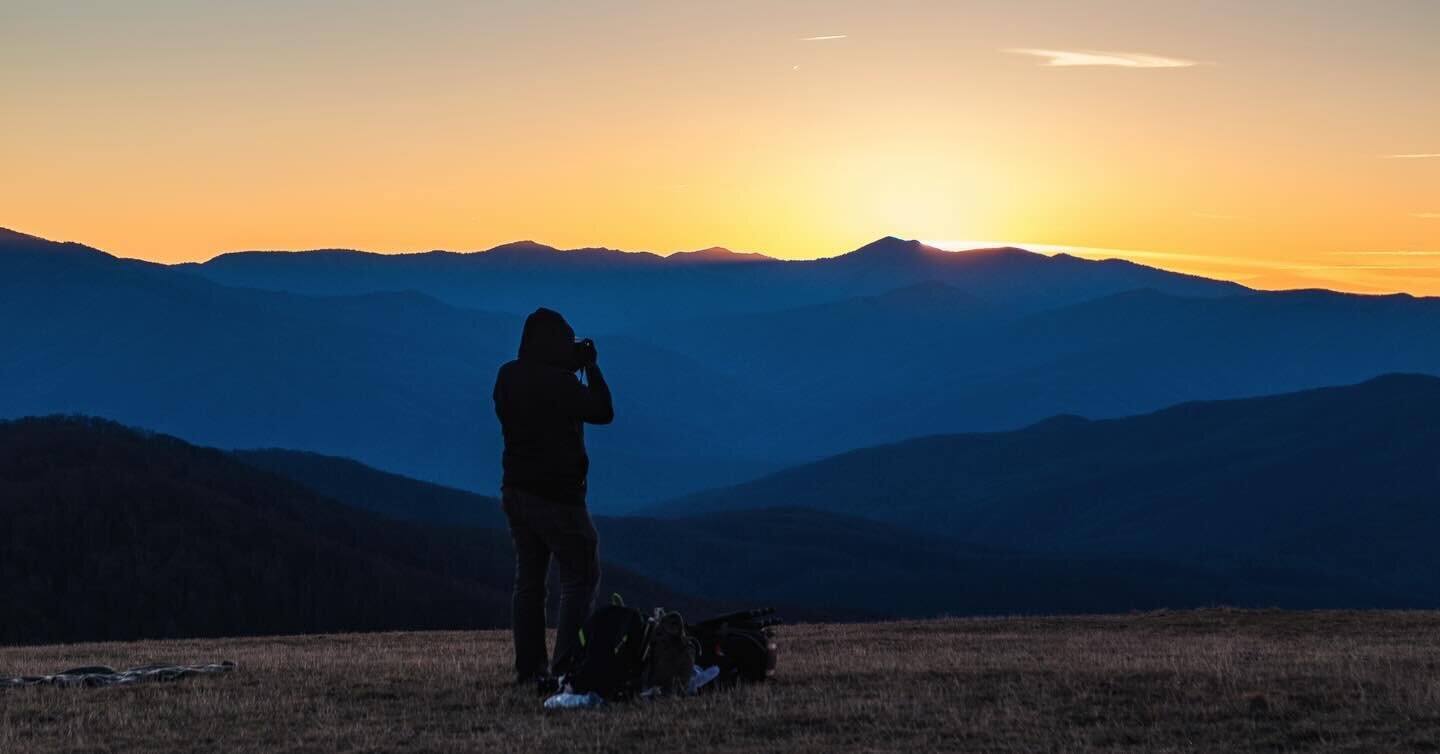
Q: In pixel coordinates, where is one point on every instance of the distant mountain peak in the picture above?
(525, 245)
(713, 251)
(717, 254)
(892, 249)
(1002, 253)
(891, 245)
(7, 234)
(898, 250)
(24, 242)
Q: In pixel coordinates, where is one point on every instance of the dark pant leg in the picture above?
(527, 605)
(570, 535)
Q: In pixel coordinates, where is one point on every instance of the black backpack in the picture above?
(741, 644)
(610, 654)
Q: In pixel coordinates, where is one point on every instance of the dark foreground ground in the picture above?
(1215, 680)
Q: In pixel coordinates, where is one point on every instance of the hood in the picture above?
(547, 339)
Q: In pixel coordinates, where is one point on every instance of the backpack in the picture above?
(741, 644)
(609, 656)
(669, 654)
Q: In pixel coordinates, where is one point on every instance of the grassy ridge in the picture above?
(1216, 680)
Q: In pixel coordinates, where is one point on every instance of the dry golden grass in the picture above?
(1215, 680)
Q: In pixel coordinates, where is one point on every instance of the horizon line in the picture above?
(1142, 257)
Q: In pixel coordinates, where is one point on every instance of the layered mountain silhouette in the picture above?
(398, 380)
(1339, 481)
(722, 370)
(725, 367)
(390, 495)
(807, 559)
(1317, 499)
(116, 534)
(610, 290)
(716, 255)
(976, 368)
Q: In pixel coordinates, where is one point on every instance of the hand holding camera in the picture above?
(585, 354)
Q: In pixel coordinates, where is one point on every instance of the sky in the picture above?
(1281, 143)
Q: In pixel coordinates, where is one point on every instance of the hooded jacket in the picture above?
(543, 408)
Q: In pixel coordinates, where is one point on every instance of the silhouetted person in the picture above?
(542, 407)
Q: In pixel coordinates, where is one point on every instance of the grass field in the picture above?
(1215, 680)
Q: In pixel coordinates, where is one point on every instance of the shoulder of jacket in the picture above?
(535, 370)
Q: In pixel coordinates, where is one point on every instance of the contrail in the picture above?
(823, 38)
(1066, 58)
(1389, 253)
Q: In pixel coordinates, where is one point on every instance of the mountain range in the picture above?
(113, 533)
(805, 558)
(1316, 498)
(724, 368)
(612, 291)
(1336, 481)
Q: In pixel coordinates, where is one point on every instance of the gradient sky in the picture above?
(1280, 143)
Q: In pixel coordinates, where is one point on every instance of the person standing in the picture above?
(543, 407)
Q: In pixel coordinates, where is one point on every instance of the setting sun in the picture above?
(1297, 149)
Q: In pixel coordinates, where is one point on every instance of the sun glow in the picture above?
(465, 125)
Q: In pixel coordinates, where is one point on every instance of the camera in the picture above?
(584, 354)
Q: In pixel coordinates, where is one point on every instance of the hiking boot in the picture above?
(543, 683)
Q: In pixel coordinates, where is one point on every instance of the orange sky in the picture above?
(1255, 141)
